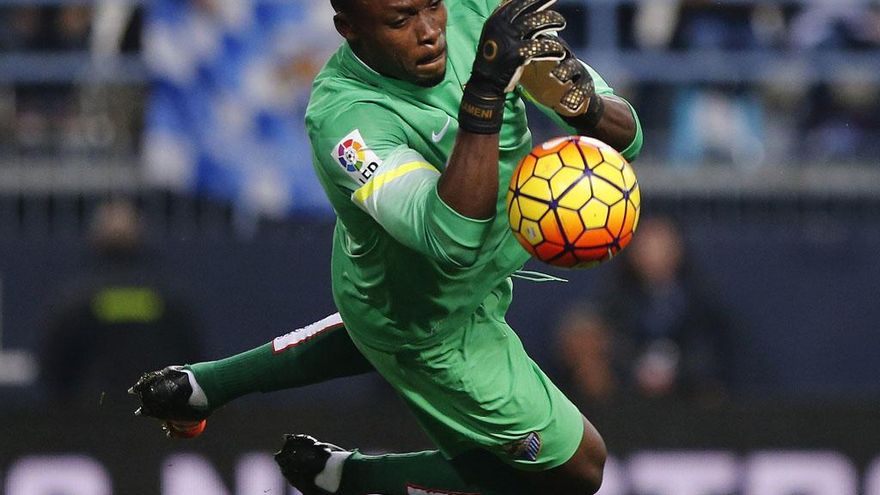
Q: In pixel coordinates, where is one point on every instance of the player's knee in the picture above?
(591, 471)
(580, 475)
(588, 484)
(588, 465)
(591, 479)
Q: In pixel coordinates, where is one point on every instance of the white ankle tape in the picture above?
(330, 478)
(198, 397)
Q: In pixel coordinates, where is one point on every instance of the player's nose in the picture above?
(429, 29)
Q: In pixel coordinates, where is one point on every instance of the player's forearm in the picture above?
(469, 185)
(617, 125)
(510, 39)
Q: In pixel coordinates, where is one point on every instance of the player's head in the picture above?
(657, 251)
(403, 39)
(116, 230)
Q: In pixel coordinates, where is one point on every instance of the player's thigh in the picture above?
(480, 390)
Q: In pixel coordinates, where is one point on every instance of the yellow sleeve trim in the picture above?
(381, 180)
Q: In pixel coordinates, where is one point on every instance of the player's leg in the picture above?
(312, 354)
(479, 390)
(319, 468)
(477, 472)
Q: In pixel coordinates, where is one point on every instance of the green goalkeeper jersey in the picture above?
(406, 268)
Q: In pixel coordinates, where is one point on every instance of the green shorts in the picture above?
(479, 389)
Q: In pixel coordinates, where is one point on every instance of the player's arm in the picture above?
(511, 38)
(616, 126)
(578, 99)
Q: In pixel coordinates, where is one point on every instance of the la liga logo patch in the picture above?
(350, 154)
(356, 157)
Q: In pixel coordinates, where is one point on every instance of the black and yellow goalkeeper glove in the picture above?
(565, 86)
(512, 37)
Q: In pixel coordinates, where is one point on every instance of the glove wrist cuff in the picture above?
(482, 108)
(587, 122)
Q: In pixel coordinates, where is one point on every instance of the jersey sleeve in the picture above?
(602, 88)
(397, 187)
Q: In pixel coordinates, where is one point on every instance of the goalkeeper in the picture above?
(416, 124)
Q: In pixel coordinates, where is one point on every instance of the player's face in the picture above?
(403, 39)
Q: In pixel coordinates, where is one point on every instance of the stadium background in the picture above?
(761, 124)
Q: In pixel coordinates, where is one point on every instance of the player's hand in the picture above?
(166, 395)
(511, 38)
(565, 86)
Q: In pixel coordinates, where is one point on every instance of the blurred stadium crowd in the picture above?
(787, 105)
(156, 194)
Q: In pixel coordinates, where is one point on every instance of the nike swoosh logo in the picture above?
(438, 136)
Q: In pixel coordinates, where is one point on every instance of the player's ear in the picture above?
(344, 26)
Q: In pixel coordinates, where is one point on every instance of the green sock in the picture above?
(311, 355)
(428, 473)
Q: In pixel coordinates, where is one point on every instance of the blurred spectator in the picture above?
(716, 122)
(855, 25)
(45, 115)
(840, 120)
(20, 27)
(117, 320)
(46, 110)
(654, 331)
(49, 28)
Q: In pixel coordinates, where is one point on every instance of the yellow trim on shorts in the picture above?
(378, 182)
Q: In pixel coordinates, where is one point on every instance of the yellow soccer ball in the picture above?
(573, 202)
